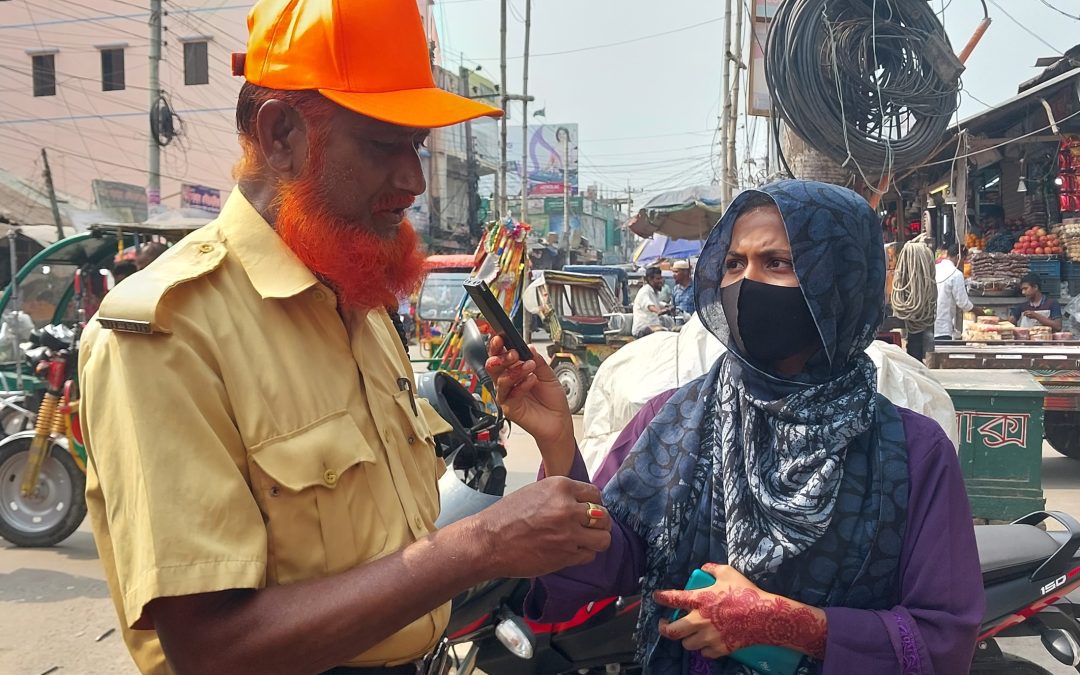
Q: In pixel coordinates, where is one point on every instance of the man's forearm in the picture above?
(315, 625)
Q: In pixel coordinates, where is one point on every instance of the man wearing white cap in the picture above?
(683, 294)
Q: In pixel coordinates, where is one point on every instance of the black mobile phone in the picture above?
(489, 306)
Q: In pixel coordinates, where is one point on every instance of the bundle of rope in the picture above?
(871, 83)
(914, 292)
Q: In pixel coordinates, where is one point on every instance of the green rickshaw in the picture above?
(586, 323)
(42, 458)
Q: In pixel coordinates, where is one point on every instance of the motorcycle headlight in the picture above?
(516, 637)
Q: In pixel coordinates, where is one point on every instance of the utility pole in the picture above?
(501, 192)
(52, 200)
(472, 178)
(725, 115)
(153, 191)
(735, 57)
(525, 119)
(564, 248)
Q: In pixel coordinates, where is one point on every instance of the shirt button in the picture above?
(206, 248)
(418, 523)
(275, 491)
(412, 439)
(330, 477)
(319, 296)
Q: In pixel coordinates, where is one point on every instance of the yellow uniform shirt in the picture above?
(243, 433)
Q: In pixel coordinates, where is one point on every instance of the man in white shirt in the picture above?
(951, 295)
(647, 304)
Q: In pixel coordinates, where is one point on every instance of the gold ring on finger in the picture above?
(594, 512)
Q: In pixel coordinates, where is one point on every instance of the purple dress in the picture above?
(932, 630)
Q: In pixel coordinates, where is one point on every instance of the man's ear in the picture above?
(282, 138)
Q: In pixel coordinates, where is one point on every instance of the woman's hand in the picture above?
(734, 613)
(532, 398)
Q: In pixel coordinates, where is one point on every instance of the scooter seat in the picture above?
(1012, 551)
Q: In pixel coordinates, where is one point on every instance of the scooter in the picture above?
(1028, 574)
(43, 469)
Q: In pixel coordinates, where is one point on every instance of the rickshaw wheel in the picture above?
(57, 507)
(574, 384)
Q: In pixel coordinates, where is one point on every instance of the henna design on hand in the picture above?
(745, 616)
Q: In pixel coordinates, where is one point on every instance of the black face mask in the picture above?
(768, 323)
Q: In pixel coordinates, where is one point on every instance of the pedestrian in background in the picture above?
(914, 293)
(952, 295)
(683, 294)
(649, 309)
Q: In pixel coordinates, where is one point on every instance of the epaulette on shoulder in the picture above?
(133, 306)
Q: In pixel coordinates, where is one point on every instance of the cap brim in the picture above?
(419, 108)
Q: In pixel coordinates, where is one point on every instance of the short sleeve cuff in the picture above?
(189, 579)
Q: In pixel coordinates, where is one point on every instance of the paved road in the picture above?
(54, 603)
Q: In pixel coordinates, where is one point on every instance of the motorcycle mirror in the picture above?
(474, 349)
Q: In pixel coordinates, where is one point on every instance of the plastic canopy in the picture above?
(661, 246)
(688, 213)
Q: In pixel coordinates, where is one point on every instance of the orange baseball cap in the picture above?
(370, 56)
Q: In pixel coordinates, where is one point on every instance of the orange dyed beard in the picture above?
(364, 269)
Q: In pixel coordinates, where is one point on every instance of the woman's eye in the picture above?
(732, 264)
(781, 264)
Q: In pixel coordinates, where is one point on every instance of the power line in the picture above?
(612, 44)
(1025, 28)
(1060, 11)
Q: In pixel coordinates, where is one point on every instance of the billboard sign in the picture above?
(546, 146)
(200, 197)
(124, 202)
(759, 103)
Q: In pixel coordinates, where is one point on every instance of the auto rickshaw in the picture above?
(42, 458)
(441, 293)
(586, 324)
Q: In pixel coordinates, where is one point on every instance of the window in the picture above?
(196, 69)
(44, 72)
(112, 69)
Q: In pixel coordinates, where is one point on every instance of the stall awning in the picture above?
(1005, 114)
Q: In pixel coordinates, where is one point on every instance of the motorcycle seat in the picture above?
(1012, 551)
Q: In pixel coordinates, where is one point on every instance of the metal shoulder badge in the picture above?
(125, 325)
(134, 308)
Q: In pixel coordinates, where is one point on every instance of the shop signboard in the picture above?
(553, 206)
(123, 202)
(200, 197)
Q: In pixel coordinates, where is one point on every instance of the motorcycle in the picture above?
(43, 470)
(1028, 573)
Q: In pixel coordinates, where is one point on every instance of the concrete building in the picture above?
(74, 79)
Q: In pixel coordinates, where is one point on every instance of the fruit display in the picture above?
(1000, 243)
(974, 241)
(1068, 180)
(1037, 241)
(1069, 233)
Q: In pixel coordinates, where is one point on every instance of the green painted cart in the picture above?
(999, 416)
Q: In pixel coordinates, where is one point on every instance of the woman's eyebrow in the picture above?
(783, 252)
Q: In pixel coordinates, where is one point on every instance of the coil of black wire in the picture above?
(871, 83)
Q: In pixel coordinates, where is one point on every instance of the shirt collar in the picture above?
(274, 270)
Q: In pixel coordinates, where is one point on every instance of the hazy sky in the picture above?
(647, 109)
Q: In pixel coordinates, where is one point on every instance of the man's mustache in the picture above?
(393, 202)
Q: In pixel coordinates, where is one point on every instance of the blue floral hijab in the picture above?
(800, 483)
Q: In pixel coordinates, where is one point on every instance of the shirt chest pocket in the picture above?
(423, 466)
(318, 489)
